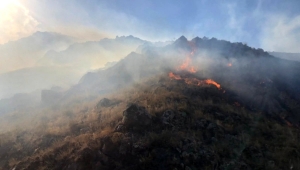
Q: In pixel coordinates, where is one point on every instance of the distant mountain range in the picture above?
(37, 78)
(287, 56)
(45, 59)
(27, 51)
(92, 55)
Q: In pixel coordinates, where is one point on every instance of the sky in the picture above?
(273, 25)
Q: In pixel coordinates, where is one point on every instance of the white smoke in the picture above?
(15, 22)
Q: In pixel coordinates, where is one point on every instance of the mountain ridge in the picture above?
(241, 64)
(26, 51)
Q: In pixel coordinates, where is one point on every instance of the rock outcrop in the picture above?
(136, 116)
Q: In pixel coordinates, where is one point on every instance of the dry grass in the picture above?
(62, 133)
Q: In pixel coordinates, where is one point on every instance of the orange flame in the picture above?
(210, 81)
(173, 76)
(186, 65)
(194, 81)
(192, 70)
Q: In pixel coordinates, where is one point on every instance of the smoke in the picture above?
(16, 22)
(254, 23)
(281, 33)
(236, 24)
(46, 66)
(86, 21)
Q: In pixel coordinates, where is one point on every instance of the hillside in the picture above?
(161, 123)
(192, 104)
(261, 81)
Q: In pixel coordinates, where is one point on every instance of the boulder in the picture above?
(167, 117)
(105, 102)
(136, 116)
(111, 144)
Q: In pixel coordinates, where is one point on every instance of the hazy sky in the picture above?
(270, 24)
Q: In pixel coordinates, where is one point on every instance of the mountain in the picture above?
(24, 102)
(27, 80)
(287, 56)
(266, 87)
(62, 65)
(192, 104)
(27, 51)
(92, 55)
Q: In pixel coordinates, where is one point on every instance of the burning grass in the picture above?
(194, 81)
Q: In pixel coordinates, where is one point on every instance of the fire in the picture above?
(229, 64)
(194, 81)
(192, 70)
(210, 81)
(173, 76)
(186, 65)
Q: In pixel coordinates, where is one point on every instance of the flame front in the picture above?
(194, 81)
(187, 66)
(210, 81)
